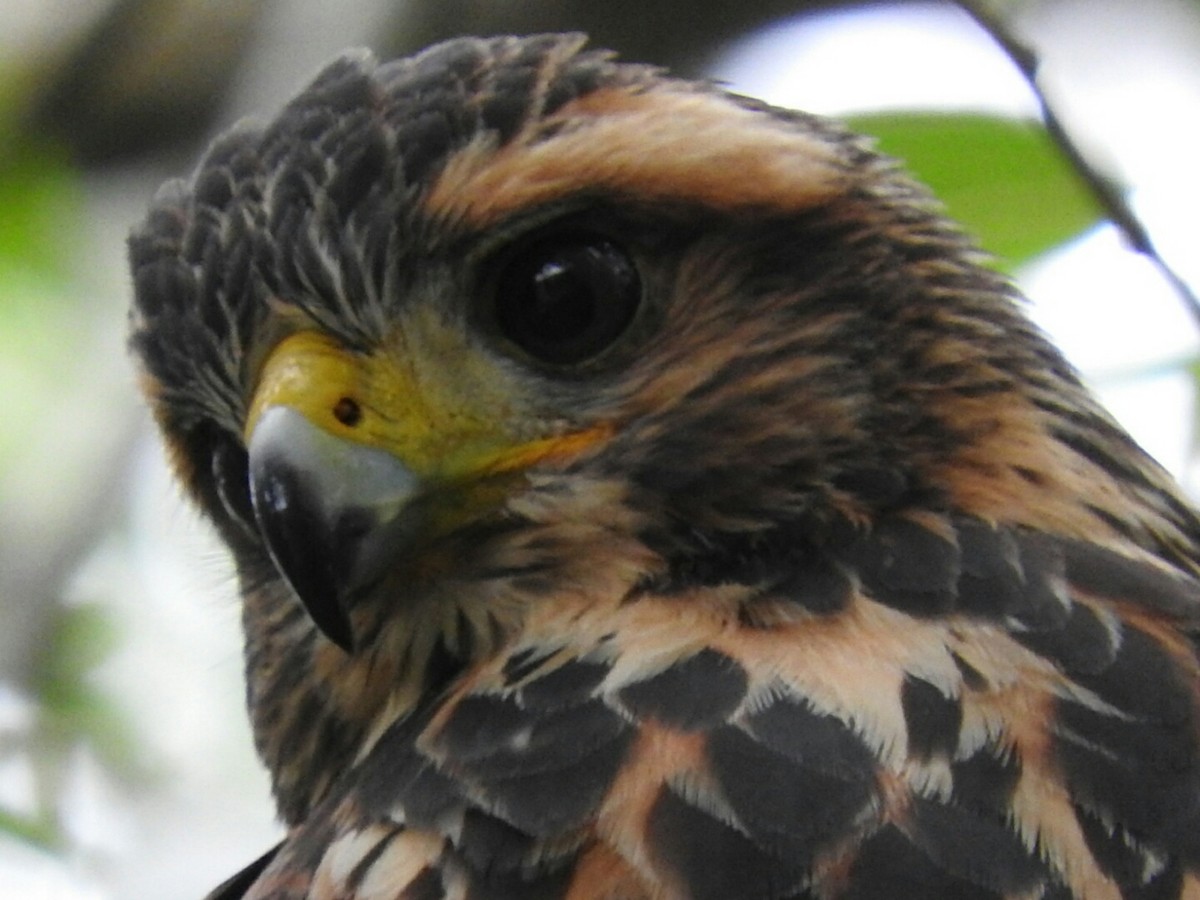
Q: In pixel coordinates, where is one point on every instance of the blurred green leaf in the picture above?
(39, 238)
(39, 832)
(73, 707)
(42, 202)
(1003, 179)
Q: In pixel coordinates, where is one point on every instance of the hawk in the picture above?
(639, 492)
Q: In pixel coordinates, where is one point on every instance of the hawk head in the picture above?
(457, 340)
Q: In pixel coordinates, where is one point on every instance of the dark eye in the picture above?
(564, 299)
(231, 477)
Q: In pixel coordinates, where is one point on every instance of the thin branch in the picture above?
(1107, 191)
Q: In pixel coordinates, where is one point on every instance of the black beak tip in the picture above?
(332, 513)
(300, 546)
(331, 620)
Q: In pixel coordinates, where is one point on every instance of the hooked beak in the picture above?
(333, 513)
(356, 457)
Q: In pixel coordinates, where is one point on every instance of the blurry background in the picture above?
(126, 768)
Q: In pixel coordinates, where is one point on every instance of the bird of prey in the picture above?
(639, 492)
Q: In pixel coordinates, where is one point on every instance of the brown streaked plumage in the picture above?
(642, 493)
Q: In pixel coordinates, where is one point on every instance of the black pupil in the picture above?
(564, 300)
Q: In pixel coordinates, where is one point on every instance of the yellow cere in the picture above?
(435, 430)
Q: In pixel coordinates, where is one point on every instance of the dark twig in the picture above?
(1107, 191)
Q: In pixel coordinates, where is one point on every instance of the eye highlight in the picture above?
(564, 299)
